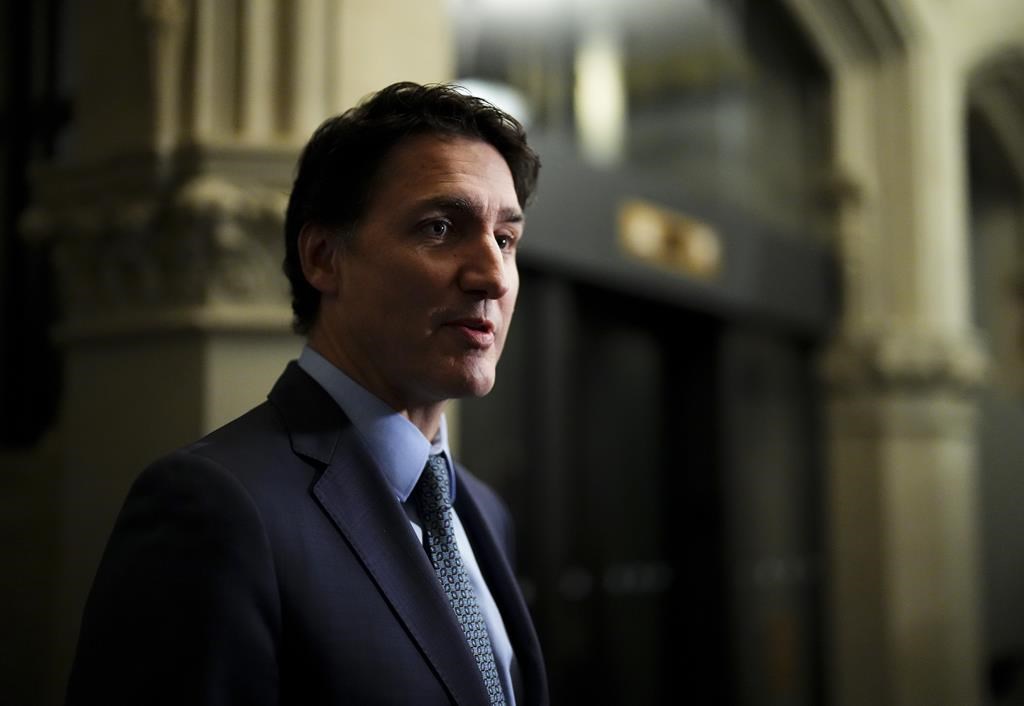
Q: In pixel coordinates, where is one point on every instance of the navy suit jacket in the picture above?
(270, 563)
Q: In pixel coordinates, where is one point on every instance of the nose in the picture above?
(483, 268)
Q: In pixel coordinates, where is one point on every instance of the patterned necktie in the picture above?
(434, 505)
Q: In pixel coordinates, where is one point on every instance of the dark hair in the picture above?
(336, 170)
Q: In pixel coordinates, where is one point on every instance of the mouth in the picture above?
(478, 332)
(481, 325)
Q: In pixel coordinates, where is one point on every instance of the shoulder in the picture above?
(237, 485)
(188, 492)
(255, 449)
(189, 573)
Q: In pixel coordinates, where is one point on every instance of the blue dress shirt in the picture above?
(400, 451)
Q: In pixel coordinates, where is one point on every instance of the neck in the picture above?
(427, 420)
(425, 417)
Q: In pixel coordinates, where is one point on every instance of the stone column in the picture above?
(902, 518)
(165, 215)
(903, 367)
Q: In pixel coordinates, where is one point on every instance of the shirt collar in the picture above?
(395, 444)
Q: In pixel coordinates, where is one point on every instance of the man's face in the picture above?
(428, 280)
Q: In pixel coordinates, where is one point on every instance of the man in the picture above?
(306, 553)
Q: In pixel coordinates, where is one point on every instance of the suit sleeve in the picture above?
(184, 608)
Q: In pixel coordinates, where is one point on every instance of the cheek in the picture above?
(508, 304)
(417, 280)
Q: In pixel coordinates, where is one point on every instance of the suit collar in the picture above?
(396, 445)
(352, 491)
(313, 421)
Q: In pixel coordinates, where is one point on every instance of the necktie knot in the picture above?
(434, 485)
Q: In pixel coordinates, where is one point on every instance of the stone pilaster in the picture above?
(165, 214)
(904, 366)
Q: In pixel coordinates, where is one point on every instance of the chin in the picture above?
(463, 376)
(481, 390)
(475, 384)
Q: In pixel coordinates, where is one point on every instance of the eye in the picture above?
(505, 242)
(438, 228)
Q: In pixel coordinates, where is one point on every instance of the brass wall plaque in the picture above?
(669, 239)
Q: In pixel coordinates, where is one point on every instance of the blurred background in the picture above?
(759, 418)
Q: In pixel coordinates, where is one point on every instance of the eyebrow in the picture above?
(471, 207)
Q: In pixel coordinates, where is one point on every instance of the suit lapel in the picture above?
(501, 581)
(355, 495)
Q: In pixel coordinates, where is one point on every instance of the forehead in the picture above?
(430, 165)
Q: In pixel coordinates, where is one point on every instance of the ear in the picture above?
(317, 252)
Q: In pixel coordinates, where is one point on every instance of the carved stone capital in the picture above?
(904, 361)
(204, 253)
